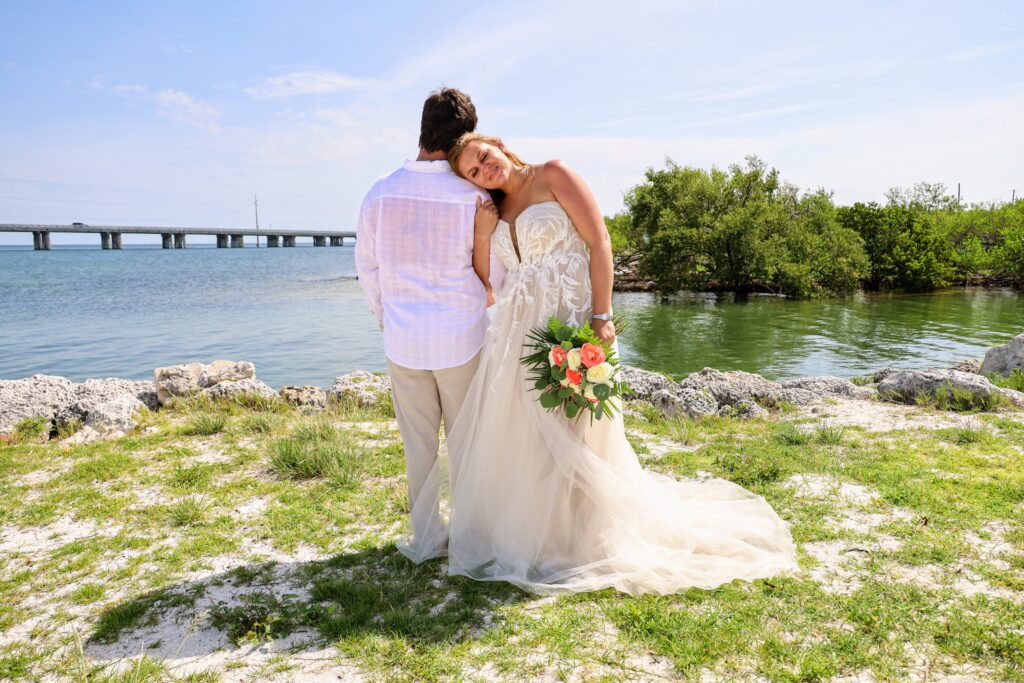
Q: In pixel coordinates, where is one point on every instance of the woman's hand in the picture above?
(604, 329)
(486, 218)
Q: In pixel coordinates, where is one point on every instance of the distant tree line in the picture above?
(745, 230)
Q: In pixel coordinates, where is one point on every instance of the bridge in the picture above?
(174, 238)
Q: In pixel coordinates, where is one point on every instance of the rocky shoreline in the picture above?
(107, 408)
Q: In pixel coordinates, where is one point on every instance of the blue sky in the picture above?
(177, 113)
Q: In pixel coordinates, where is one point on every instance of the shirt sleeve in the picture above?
(367, 268)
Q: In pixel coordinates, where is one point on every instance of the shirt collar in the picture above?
(439, 166)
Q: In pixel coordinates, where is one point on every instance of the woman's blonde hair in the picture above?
(455, 153)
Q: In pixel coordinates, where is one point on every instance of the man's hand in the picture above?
(604, 329)
(486, 218)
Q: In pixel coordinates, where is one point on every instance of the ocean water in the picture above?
(299, 315)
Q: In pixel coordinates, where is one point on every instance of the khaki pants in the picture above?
(422, 398)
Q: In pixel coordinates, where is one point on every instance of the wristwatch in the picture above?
(601, 316)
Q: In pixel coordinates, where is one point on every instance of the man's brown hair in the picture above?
(447, 115)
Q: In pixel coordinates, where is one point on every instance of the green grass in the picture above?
(32, 429)
(789, 434)
(829, 434)
(187, 512)
(317, 449)
(1015, 380)
(204, 424)
(955, 399)
(325, 483)
(969, 432)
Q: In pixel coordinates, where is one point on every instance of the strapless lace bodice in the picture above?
(550, 276)
(543, 231)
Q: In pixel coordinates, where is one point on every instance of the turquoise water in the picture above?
(299, 315)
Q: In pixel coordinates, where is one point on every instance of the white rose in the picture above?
(588, 393)
(575, 358)
(602, 374)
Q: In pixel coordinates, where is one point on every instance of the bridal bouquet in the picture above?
(573, 368)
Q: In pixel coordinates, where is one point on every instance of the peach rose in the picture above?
(557, 355)
(574, 377)
(591, 355)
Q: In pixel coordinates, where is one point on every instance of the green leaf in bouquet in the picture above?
(579, 400)
(601, 392)
(567, 345)
(565, 392)
(598, 410)
(541, 384)
(550, 400)
(554, 324)
(557, 373)
(571, 410)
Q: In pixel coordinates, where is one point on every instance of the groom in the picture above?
(414, 259)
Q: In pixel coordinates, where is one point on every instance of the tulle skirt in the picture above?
(554, 505)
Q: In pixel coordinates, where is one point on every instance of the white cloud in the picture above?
(129, 90)
(859, 158)
(183, 108)
(313, 82)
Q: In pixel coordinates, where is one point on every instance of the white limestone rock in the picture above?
(827, 385)
(305, 397)
(1002, 360)
(243, 386)
(643, 384)
(732, 387)
(176, 381)
(361, 387)
(226, 371)
(35, 396)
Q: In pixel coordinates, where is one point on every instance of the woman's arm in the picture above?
(578, 201)
(483, 227)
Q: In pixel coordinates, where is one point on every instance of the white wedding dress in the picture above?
(554, 505)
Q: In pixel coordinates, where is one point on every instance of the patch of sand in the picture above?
(877, 416)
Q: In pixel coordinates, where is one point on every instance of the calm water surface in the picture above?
(299, 315)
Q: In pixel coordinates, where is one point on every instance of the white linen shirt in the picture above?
(414, 259)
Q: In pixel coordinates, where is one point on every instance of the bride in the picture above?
(551, 504)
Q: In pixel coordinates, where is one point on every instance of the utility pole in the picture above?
(256, 204)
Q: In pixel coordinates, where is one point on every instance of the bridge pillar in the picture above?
(115, 241)
(37, 240)
(222, 241)
(319, 241)
(105, 240)
(289, 240)
(238, 241)
(45, 237)
(165, 238)
(273, 241)
(179, 240)
(336, 241)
